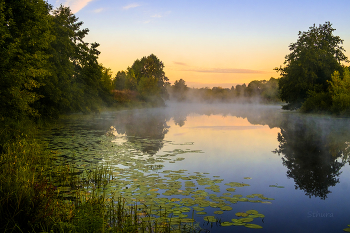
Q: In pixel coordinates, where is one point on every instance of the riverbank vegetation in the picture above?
(48, 69)
(314, 78)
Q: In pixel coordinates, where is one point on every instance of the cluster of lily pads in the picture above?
(141, 178)
(347, 229)
(246, 218)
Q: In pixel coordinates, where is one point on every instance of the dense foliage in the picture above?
(146, 78)
(306, 78)
(46, 66)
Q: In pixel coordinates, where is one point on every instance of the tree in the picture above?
(313, 58)
(240, 90)
(339, 91)
(119, 80)
(77, 82)
(25, 28)
(255, 88)
(150, 77)
(130, 80)
(179, 89)
(59, 87)
(270, 92)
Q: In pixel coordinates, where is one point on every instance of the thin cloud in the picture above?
(132, 5)
(98, 10)
(233, 71)
(156, 16)
(76, 5)
(180, 63)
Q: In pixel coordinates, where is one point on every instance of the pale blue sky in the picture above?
(207, 43)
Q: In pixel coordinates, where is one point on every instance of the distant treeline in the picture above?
(257, 92)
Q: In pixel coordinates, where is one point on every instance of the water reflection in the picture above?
(314, 150)
(144, 124)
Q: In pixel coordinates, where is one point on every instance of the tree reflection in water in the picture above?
(146, 126)
(314, 150)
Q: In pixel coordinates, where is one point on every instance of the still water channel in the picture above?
(220, 160)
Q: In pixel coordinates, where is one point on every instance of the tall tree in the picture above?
(57, 93)
(120, 80)
(150, 77)
(179, 90)
(313, 58)
(25, 28)
(77, 82)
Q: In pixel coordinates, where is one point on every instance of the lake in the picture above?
(258, 165)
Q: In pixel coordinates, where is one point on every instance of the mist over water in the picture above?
(306, 156)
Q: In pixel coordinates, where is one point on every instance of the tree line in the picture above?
(47, 68)
(257, 91)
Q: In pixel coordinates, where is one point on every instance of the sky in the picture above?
(206, 43)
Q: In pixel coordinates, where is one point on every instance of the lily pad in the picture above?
(226, 208)
(230, 189)
(197, 208)
(252, 212)
(246, 219)
(226, 224)
(239, 224)
(241, 214)
(218, 212)
(254, 226)
(209, 219)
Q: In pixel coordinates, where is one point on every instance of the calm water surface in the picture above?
(305, 156)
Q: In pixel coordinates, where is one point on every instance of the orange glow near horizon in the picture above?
(195, 77)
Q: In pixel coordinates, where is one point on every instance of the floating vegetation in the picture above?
(120, 166)
(241, 214)
(275, 186)
(226, 224)
(218, 212)
(231, 189)
(236, 184)
(255, 226)
(226, 208)
(246, 218)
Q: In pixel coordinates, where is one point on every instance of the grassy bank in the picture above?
(38, 196)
